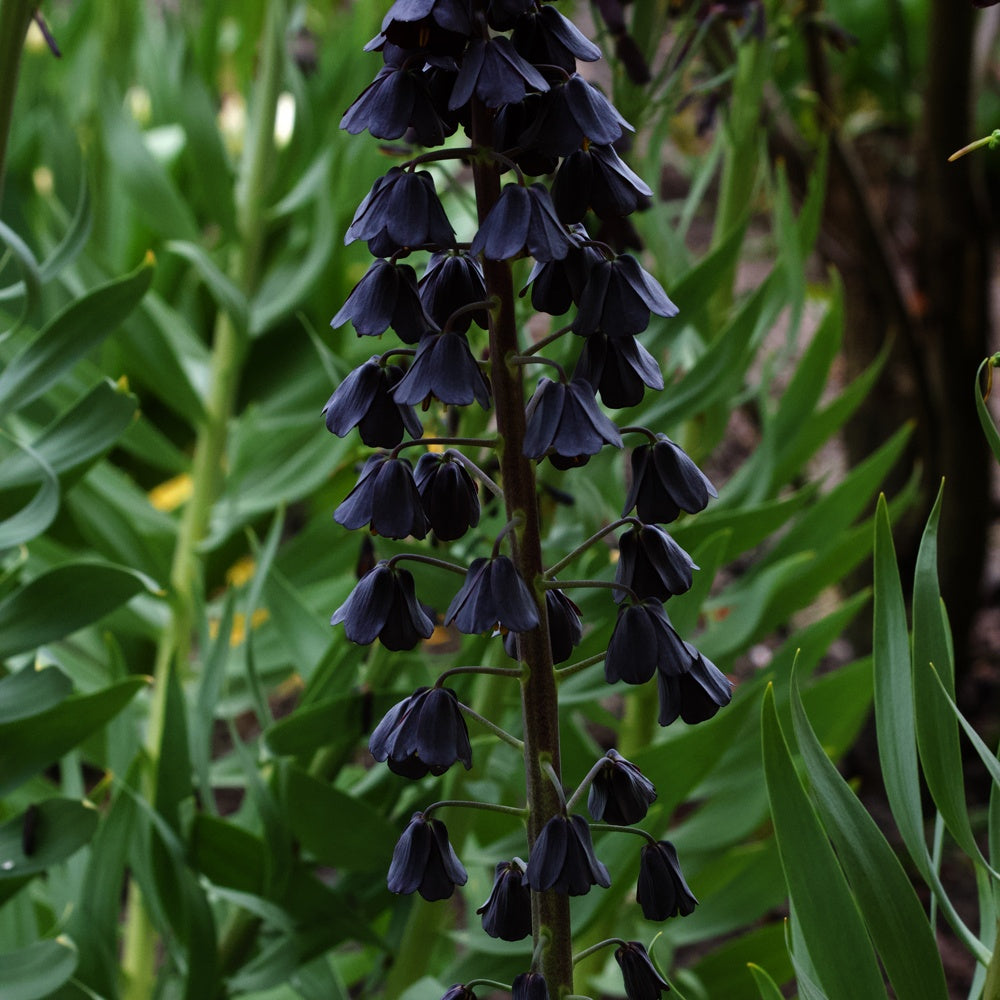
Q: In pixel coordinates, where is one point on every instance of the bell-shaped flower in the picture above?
(403, 210)
(597, 178)
(383, 606)
(562, 858)
(642, 643)
(509, 124)
(452, 15)
(448, 494)
(529, 986)
(696, 695)
(386, 499)
(459, 992)
(566, 420)
(618, 299)
(494, 72)
(397, 100)
(665, 481)
(620, 793)
(661, 891)
(642, 981)
(364, 400)
(451, 282)
(565, 628)
(425, 733)
(507, 913)
(387, 296)
(619, 368)
(444, 369)
(425, 862)
(493, 596)
(652, 564)
(501, 15)
(546, 38)
(523, 220)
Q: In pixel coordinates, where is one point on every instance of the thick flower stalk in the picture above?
(504, 72)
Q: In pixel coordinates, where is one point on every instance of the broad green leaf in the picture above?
(723, 971)
(35, 972)
(30, 744)
(894, 915)
(305, 635)
(228, 297)
(28, 692)
(52, 830)
(985, 419)
(333, 723)
(766, 986)
(40, 511)
(81, 326)
(83, 593)
(227, 855)
(828, 915)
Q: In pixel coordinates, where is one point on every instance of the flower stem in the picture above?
(615, 828)
(540, 345)
(583, 546)
(473, 804)
(585, 784)
(501, 734)
(574, 668)
(477, 669)
(15, 18)
(607, 943)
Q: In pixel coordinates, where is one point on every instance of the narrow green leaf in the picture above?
(40, 511)
(828, 915)
(988, 758)
(81, 326)
(894, 915)
(228, 297)
(35, 972)
(83, 592)
(28, 692)
(58, 828)
(30, 284)
(304, 633)
(30, 744)
(766, 986)
(985, 419)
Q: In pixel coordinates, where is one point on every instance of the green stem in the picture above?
(583, 546)
(574, 668)
(594, 948)
(991, 988)
(500, 734)
(473, 804)
(228, 352)
(15, 19)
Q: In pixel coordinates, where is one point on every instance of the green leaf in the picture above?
(894, 915)
(40, 511)
(228, 297)
(831, 925)
(28, 745)
(765, 984)
(228, 855)
(33, 973)
(28, 692)
(58, 828)
(985, 419)
(303, 633)
(83, 593)
(31, 281)
(80, 327)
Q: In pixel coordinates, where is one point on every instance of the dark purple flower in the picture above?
(652, 564)
(364, 400)
(452, 15)
(496, 74)
(643, 643)
(563, 859)
(451, 282)
(544, 37)
(384, 606)
(566, 420)
(557, 284)
(403, 210)
(459, 992)
(507, 913)
(386, 296)
(565, 630)
(523, 220)
(492, 596)
(619, 298)
(695, 695)
(661, 891)
(448, 493)
(529, 986)
(619, 368)
(423, 733)
(510, 123)
(642, 981)
(502, 14)
(571, 114)
(620, 793)
(385, 499)
(444, 369)
(665, 481)
(597, 178)
(424, 861)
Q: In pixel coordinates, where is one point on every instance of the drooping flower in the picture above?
(452, 15)
(544, 37)
(385, 499)
(529, 986)
(597, 178)
(402, 209)
(383, 606)
(557, 284)
(565, 629)
(507, 913)
(563, 859)
(364, 400)
(444, 369)
(620, 793)
(459, 992)
(652, 564)
(425, 862)
(451, 282)
(619, 368)
(619, 297)
(661, 891)
(566, 420)
(493, 595)
(696, 695)
(494, 71)
(643, 643)
(448, 494)
(523, 220)
(425, 733)
(386, 296)
(665, 481)
(642, 981)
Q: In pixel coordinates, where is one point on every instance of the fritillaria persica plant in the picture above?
(504, 72)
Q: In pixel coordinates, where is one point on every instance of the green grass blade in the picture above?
(40, 511)
(985, 419)
(766, 986)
